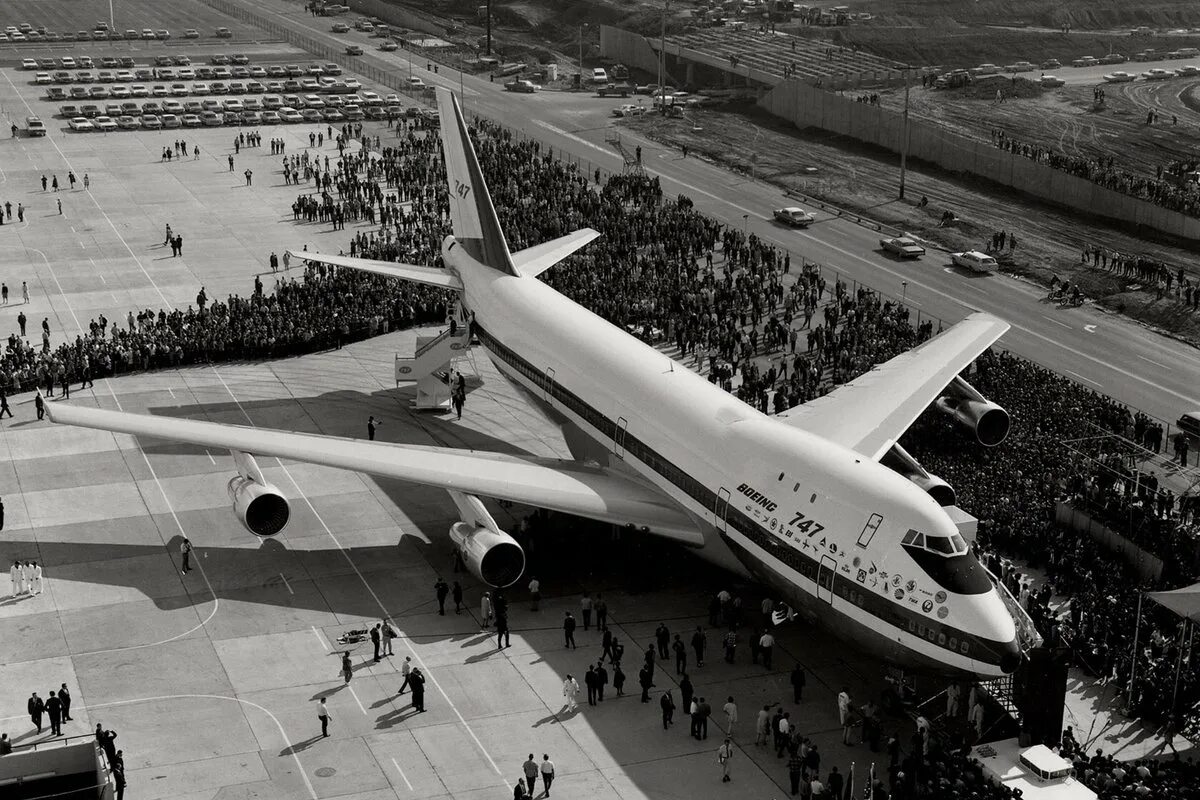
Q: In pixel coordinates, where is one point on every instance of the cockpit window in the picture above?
(952, 545)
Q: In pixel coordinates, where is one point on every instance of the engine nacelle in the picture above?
(963, 403)
(493, 557)
(260, 507)
(898, 460)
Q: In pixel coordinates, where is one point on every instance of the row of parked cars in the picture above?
(165, 66)
(26, 32)
(1085, 61)
(158, 118)
(1156, 74)
(358, 106)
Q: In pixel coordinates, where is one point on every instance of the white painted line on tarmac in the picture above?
(1081, 377)
(172, 392)
(210, 456)
(1155, 363)
(320, 638)
(402, 775)
(1056, 322)
(355, 696)
(285, 580)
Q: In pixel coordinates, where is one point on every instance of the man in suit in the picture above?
(376, 638)
(65, 697)
(119, 777)
(54, 711)
(36, 708)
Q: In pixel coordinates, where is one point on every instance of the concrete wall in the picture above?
(807, 106)
(628, 48)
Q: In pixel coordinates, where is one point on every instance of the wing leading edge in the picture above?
(565, 486)
(409, 272)
(870, 413)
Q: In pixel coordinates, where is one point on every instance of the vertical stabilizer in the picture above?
(471, 211)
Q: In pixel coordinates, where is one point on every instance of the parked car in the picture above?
(1085, 61)
(34, 126)
(211, 119)
(1119, 76)
(81, 124)
(340, 27)
(795, 216)
(1113, 58)
(290, 115)
(1020, 66)
(902, 247)
(1188, 71)
(191, 33)
(270, 117)
(106, 124)
(974, 260)
(1157, 74)
(223, 33)
(599, 75)
(388, 46)
(628, 110)
(353, 50)
(1051, 81)
(43, 78)
(128, 123)
(1051, 63)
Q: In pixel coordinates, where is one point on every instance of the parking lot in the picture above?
(81, 17)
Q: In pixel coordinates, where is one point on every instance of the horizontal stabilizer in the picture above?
(408, 272)
(533, 261)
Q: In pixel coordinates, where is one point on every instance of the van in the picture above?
(35, 127)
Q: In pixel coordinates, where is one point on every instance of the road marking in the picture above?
(402, 775)
(285, 583)
(210, 456)
(1056, 322)
(1081, 377)
(567, 134)
(355, 696)
(169, 389)
(1090, 328)
(1155, 363)
(320, 638)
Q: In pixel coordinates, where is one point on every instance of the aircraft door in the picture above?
(825, 576)
(722, 510)
(619, 437)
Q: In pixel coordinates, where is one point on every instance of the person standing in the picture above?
(686, 692)
(376, 639)
(417, 679)
(372, 425)
(40, 405)
(699, 642)
(724, 756)
(503, 637)
(795, 768)
(65, 697)
(845, 714)
(601, 681)
(571, 692)
(646, 680)
(662, 637)
(730, 643)
(766, 648)
(2, 499)
(185, 552)
(347, 667)
(547, 774)
(601, 607)
(456, 594)
(569, 630)
(530, 768)
(485, 610)
(798, 681)
(119, 780)
(535, 593)
(441, 589)
(389, 633)
(703, 712)
(36, 707)
(589, 683)
(585, 603)
(731, 715)
(35, 573)
(54, 712)
(680, 655)
(668, 709)
(24, 299)
(323, 715)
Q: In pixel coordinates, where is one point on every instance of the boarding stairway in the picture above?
(428, 366)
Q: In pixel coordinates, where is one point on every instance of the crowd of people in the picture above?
(1175, 195)
(731, 304)
(1153, 273)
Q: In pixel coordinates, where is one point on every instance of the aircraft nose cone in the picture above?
(1011, 657)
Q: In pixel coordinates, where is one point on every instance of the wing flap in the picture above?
(870, 413)
(408, 272)
(565, 486)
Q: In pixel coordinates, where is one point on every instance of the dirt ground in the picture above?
(1067, 120)
(845, 173)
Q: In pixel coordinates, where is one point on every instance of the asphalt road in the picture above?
(1103, 351)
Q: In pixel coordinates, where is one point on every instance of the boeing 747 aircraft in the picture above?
(820, 503)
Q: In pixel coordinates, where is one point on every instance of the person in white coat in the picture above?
(570, 691)
(24, 576)
(485, 610)
(14, 574)
(35, 577)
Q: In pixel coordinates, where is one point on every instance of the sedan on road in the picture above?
(902, 247)
(1120, 76)
(794, 216)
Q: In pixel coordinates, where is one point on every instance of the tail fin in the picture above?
(471, 211)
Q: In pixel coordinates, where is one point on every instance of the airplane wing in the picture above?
(870, 413)
(409, 272)
(567, 486)
(533, 261)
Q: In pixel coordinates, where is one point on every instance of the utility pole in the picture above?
(904, 135)
(662, 57)
(489, 27)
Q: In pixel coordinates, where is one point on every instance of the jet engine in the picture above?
(898, 460)
(260, 507)
(491, 555)
(962, 402)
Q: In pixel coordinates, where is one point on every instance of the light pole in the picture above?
(904, 134)
(582, 25)
(662, 58)
(904, 291)
(489, 27)
(746, 225)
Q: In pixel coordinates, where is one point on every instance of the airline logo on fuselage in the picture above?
(757, 497)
